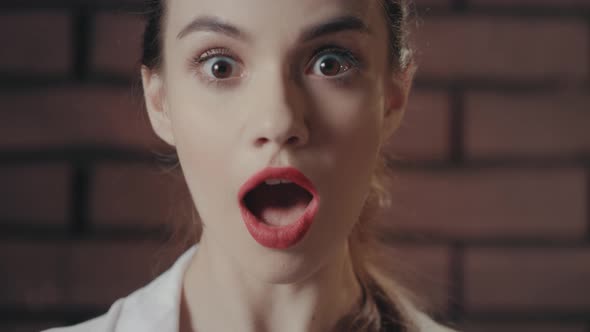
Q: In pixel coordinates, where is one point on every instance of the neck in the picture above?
(217, 296)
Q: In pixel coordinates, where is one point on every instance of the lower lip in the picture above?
(282, 237)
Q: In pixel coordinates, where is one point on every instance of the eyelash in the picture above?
(355, 62)
(350, 56)
(340, 51)
(197, 64)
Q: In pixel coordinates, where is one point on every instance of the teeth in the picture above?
(272, 182)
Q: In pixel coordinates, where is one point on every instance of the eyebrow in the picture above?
(212, 24)
(338, 24)
(335, 25)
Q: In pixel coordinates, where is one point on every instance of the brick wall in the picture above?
(490, 218)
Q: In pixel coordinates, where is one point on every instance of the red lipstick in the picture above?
(278, 237)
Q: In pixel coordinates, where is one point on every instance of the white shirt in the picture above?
(156, 307)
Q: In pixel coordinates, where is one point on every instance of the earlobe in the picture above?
(156, 106)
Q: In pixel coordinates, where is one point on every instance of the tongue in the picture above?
(278, 205)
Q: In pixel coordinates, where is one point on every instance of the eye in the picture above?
(333, 62)
(220, 67)
(218, 64)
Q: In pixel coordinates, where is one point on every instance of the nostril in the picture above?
(261, 141)
(293, 140)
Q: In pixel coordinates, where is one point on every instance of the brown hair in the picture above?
(381, 308)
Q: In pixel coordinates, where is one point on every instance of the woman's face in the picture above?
(287, 83)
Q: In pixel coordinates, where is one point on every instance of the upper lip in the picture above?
(288, 173)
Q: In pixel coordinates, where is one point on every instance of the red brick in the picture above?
(101, 272)
(91, 4)
(523, 327)
(36, 41)
(424, 271)
(523, 48)
(32, 274)
(531, 3)
(75, 116)
(137, 195)
(554, 125)
(484, 203)
(117, 46)
(35, 194)
(424, 132)
(527, 279)
(47, 275)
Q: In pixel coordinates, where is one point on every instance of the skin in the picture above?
(277, 108)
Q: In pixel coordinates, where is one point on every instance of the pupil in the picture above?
(330, 67)
(221, 69)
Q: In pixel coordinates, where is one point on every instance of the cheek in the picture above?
(197, 129)
(201, 120)
(349, 135)
(348, 123)
(203, 140)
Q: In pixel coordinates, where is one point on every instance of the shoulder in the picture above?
(419, 320)
(424, 323)
(153, 308)
(104, 323)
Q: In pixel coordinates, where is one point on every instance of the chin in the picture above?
(290, 266)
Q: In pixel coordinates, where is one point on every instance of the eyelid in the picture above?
(338, 50)
(356, 63)
(199, 62)
(215, 52)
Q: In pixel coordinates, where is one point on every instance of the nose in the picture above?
(280, 118)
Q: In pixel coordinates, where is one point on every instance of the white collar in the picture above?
(156, 307)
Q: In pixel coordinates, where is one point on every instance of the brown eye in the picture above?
(333, 63)
(330, 66)
(220, 68)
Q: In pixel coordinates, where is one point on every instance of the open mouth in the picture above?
(277, 202)
(278, 206)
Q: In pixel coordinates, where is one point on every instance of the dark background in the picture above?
(490, 218)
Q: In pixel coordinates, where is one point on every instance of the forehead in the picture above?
(264, 17)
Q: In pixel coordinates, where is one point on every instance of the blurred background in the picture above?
(490, 220)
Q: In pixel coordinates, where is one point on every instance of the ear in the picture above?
(397, 91)
(155, 102)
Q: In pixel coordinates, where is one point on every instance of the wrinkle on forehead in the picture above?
(359, 7)
(247, 14)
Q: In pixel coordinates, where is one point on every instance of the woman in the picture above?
(278, 110)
